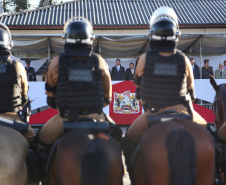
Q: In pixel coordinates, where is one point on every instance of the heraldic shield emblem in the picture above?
(126, 103)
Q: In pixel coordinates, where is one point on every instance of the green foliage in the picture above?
(43, 3)
(14, 5)
(11, 6)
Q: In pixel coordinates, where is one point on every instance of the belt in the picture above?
(90, 111)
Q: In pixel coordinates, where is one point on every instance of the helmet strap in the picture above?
(159, 45)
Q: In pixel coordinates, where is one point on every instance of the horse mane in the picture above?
(95, 164)
(178, 143)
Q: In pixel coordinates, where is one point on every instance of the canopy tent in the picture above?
(116, 46)
(121, 46)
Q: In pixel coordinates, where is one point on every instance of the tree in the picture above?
(14, 5)
(48, 2)
(20, 5)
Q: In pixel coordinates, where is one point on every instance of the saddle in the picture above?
(165, 116)
(18, 125)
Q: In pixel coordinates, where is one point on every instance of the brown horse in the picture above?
(13, 152)
(84, 158)
(219, 102)
(176, 152)
(220, 120)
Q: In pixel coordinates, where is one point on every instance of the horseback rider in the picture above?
(13, 82)
(163, 78)
(78, 84)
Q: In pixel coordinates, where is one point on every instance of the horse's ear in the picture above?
(213, 82)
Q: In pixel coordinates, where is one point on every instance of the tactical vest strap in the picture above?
(87, 124)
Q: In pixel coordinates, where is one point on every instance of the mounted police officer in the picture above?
(13, 82)
(164, 79)
(78, 83)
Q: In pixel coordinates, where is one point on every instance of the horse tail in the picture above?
(181, 157)
(95, 164)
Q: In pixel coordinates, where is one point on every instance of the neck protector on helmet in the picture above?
(165, 46)
(4, 53)
(78, 50)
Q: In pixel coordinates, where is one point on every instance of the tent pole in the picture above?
(49, 50)
(201, 60)
(99, 46)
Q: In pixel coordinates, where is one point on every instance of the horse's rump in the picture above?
(84, 158)
(12, 157)
(177, 152)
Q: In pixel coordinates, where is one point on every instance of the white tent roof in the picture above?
(117, 46)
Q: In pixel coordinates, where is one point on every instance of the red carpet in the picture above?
(207, 114)
(44, 116)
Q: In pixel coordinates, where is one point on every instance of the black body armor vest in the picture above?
(80, 86)
(164, 82)
(10, 87)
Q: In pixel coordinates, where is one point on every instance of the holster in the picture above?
(187, 102)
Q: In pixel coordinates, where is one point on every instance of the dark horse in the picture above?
(86, 158)
(219, 102)
(219, 105)
(176, 152)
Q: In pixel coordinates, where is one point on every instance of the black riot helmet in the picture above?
(164, 25)
(5, 37)
(78, 30)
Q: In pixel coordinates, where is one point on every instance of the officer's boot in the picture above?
(42, 161)
(115, 131)
(42, 152)
(32, 167)
(129, 148)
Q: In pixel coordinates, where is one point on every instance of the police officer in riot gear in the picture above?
(164, 79)
(78, 84)
(13, 82)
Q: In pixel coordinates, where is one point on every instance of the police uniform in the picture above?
(163, 78)
(161, 95)
(53, 129)
(31, 76)
(16, 74)
(13, 82)
(78, 82)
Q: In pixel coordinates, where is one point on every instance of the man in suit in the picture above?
(118, 72)
(225, 65)
(130, 72)
(206, 70)
(195, 68)
(221, 73)
(31, 76)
